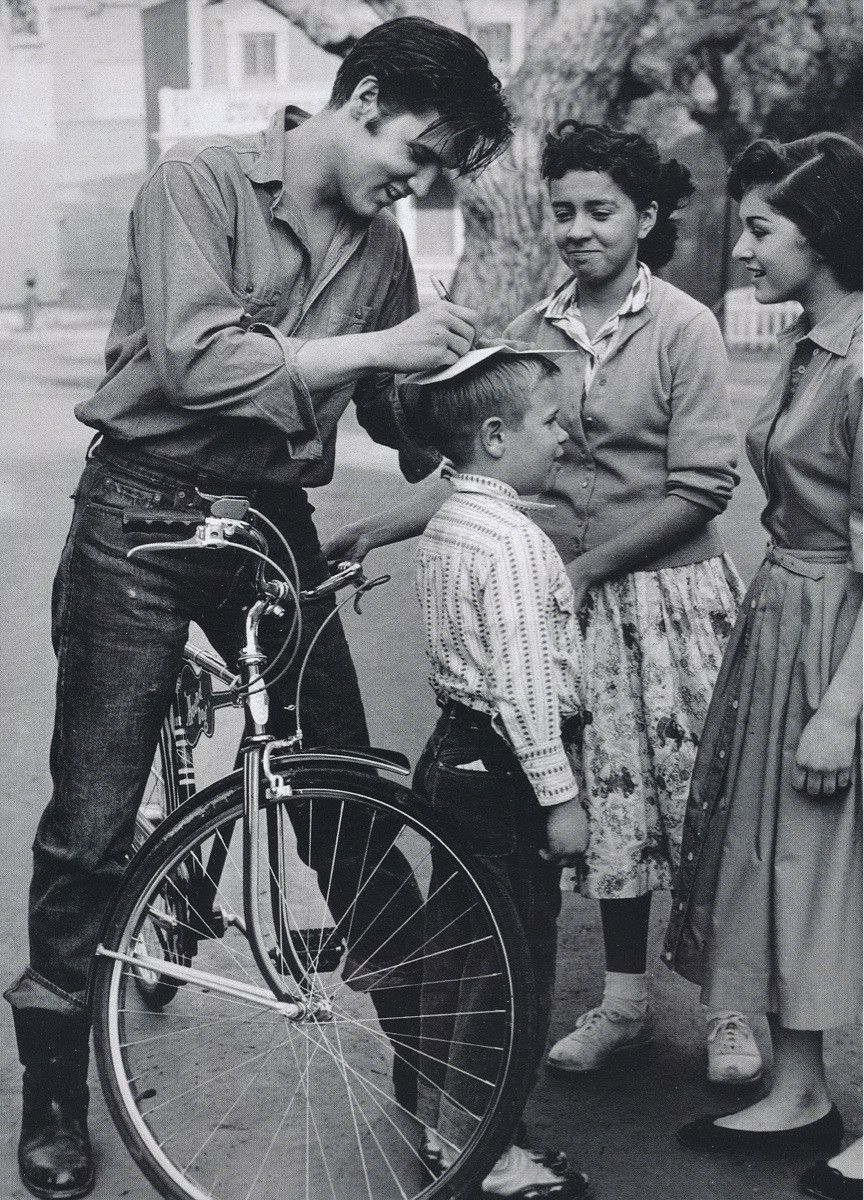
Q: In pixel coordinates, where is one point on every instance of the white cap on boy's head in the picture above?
(473, 357)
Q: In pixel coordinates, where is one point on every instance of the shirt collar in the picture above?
(834, 332)
(566, 297)
(485, 485)
(268, 166)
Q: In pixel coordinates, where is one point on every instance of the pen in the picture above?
(439, 287)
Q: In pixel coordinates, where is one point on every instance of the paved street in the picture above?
(619, 1125)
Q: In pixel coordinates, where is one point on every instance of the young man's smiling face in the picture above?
(385, 156)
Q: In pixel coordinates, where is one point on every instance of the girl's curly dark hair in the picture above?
(634, 163)
(816, 183)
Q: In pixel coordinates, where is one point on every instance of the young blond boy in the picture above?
(500, 631)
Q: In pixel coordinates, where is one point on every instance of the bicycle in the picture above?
(251, 1006)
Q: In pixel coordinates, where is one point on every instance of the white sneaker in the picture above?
(599, 1033)
(733, 1056)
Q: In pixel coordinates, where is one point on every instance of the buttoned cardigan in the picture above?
(656, 421)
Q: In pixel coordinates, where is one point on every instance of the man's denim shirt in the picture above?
(202, 355)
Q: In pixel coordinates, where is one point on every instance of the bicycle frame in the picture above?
(192, 714)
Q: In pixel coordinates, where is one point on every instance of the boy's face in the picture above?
(385, 156)
(532, 450)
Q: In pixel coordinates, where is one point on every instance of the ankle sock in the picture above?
(626, 994)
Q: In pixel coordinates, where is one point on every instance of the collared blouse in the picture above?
(501, 632)
(805, 442)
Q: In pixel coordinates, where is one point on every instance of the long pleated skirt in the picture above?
(774, 903)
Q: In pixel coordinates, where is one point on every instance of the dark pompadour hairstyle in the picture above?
(419, 66)
(634, 163)
(815, 182)
(448, 415)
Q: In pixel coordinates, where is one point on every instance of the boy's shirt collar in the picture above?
(485, 485)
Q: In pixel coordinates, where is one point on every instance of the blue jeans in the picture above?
(119, 628)
(493, 814)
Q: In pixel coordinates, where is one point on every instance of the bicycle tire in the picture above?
(159, 937)
(155, 1067)
(171, 777)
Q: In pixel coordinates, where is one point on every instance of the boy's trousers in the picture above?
(471, 776)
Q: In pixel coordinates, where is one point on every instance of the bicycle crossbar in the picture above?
(238, 990)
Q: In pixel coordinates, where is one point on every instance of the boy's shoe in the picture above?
(599, 1033)
(520, 1175)
(733, 1056)
(432, 1156)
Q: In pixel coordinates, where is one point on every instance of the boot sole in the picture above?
(631, 1047)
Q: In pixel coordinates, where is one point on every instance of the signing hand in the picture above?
(435, 337)
(823, 760)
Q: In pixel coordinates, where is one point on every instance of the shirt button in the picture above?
(680, 905)
(752, 603)
(584, 482)
(734, 703)
(690, 856)
(721, 754)
(250, 288)
(667, 954)
(601, 379)
(704, 803)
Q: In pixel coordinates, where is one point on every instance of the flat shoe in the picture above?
(827, 1183)
(823, 1135)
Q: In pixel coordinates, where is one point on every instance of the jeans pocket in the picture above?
(477, 805)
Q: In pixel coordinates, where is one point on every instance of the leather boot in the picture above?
(54, 1156)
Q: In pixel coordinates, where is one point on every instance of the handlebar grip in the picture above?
(156, 521)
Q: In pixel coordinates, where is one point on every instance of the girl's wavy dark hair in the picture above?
(816, 183)
(634, 163)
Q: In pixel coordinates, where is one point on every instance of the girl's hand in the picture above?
(350, 542)
(581, 581)
(823, 760)
(567, 833)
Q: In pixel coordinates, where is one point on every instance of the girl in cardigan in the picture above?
(650, 463)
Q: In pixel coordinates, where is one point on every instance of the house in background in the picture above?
(91, 91)
(227, 66)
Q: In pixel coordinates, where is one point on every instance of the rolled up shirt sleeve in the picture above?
(515, 602)
(702, 445)
(377, 399)
(206, 357)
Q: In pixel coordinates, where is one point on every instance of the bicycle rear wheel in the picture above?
(224, 1095)
(163, 933)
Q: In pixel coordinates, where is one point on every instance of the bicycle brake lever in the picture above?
(213, 533)
(366, 586)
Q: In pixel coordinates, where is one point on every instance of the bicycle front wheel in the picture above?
(411, 1008)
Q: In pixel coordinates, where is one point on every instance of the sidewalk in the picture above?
(619, 1124)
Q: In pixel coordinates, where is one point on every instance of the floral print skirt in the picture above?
(654, 641)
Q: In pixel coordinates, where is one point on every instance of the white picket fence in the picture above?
(748, 325)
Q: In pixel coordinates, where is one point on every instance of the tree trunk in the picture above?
(573, 67)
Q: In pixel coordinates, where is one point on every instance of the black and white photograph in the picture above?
(431, 622)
